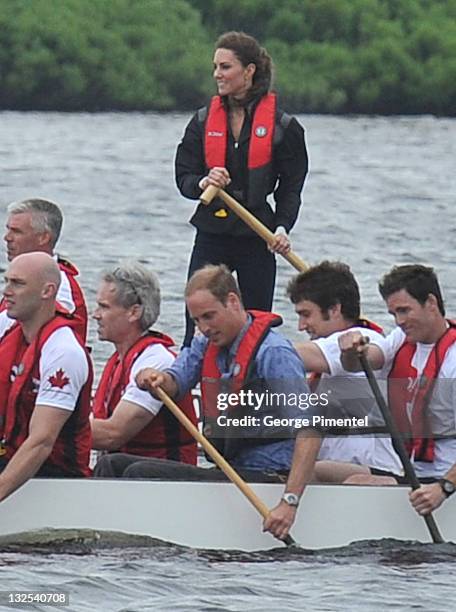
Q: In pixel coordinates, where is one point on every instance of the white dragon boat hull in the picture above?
(217, 515)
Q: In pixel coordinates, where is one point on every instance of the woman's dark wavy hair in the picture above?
(248, 51)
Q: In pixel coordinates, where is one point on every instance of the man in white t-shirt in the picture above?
(34, 225)
(327, 301)
(128, 419)
(45, 380)
(420, 356)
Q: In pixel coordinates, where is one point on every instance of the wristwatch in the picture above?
(448, 487)
(291, 499)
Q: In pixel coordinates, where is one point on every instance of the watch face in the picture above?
(291, 499)
(448, 487)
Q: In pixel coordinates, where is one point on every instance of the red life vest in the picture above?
(80, 311)
(261, 135)
(242, 368)
(419, 439)
(368, 324)
(163, 437)
(314, 377)
(19, 376)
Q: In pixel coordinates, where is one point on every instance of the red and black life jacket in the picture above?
(417, 431)
(242, 367)
(261, 134)
(252, 192)
(253, 163)
(19, 380)
(163, 437)
(80, 311)
(230, 443)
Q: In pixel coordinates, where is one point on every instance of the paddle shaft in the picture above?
(399, 445)
(211, 192)
(218, 459)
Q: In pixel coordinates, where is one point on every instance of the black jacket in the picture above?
(285, 179)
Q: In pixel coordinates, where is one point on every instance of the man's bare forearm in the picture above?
(23, 465)
(104, 436)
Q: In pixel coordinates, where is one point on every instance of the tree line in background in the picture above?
(330, 56)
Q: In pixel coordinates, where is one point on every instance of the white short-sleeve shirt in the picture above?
(63, 369)
(370, 450)
(154, 356)
(64, 294)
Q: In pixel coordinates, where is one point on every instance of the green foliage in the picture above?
(363, 56)
(330, 56)
(252, 16)
(315, 80)
(85, 54)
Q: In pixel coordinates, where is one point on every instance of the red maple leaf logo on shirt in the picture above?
(59, 379)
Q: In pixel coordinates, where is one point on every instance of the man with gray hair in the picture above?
(34, 225)
(128, 419)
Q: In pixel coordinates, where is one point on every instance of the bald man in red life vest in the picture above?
(35, 225)
(129, 422)
(45, 380)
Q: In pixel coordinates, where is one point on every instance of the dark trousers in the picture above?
(122, 465)
(249, 257)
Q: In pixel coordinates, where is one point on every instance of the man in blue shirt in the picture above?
(254, 391)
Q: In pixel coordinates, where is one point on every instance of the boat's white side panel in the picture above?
(217, 515)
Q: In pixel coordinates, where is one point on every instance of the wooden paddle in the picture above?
(218, 459)
(399, 445)
(211, 192)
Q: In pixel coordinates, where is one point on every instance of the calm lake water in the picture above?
(380, 191)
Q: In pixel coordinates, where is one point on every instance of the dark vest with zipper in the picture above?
(266, 130)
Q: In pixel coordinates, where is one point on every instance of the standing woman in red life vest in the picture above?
(243, 143)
